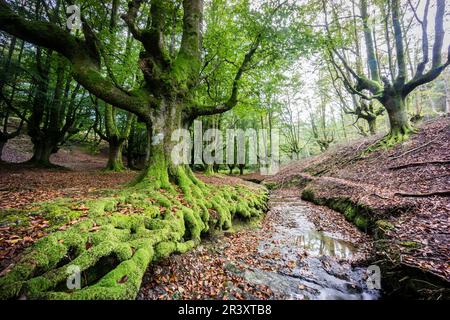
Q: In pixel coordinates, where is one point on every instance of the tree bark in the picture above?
(160, 169)
(42, 150)
(132, 147)
(400, 126)
(115, 157)
(372, 125)
(2, 145)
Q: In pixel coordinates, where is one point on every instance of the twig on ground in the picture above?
(424, 195)
(421, 146)
(417, 164)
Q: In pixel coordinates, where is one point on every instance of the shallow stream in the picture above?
(319, 262)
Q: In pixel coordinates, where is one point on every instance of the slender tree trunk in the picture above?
(148, 146)
(115, 158)
(2, 145)
(372, 122)
(241, 169)
(131, 147)
(447, 92)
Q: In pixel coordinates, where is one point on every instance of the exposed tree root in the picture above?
(418, 164)
(444, 193)
(396, 136)
(44, 165)
(112, 250)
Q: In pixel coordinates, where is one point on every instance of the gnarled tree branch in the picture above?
(86, 68)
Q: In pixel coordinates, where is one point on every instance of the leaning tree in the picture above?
(171, 70)
(393, 86)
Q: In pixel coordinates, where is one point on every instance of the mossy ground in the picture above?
(394, 138)
(120, 234)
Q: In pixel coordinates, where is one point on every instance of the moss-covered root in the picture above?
(110, 252)
(395, 136)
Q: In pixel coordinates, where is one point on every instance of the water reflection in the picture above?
(319, 270)
(318, 244)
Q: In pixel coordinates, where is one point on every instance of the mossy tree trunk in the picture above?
(209, 169)
(52, 120)
(133, 147)
(115, 136)
(165, 102)
(392, 91)
(400, 126)
(115, 157)
(7, 101)
(161, 170)
(42, 151)
(372, 122)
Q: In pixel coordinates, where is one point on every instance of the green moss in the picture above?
(308, 195)
(98, 207)
(350, 213)
(194, 224)
(14, 217)
(384, 225)
(164, 250)
(125, 243)
(184, 69)
(361, 222)
(395, 137)
(410, 244)
(270, 185)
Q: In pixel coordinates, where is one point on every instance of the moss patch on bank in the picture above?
(356, 213)
(119, 235)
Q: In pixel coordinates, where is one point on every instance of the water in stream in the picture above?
(322, 268)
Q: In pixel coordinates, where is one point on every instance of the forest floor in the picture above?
(21, 186)
(407, 187)
(409, 180)
(237, 265)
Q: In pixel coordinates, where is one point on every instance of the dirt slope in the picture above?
(406, 189)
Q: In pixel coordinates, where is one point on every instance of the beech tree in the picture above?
(115, 134)
(166, 98)
(6, 102)
(392, 87)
